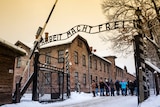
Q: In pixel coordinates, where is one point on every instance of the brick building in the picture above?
(20, 64)
(8, 53)
(84, 64)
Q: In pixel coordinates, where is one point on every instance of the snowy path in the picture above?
(86, 100)
(129, 101)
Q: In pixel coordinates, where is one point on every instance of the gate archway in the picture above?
(51, 82)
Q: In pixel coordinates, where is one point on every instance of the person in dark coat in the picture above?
(97, 88)
(135, 87)
(112, 88)
(107, 87)
(131, 87)
(101, 86)
(118, 86)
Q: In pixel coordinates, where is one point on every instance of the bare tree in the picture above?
(125, 10)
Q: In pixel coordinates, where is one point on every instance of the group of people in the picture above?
(109, 87)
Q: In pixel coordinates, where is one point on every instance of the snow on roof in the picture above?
(153, 66)
(12, 46)
(102, 58)
(52, 43)
(55, 43)
(27, 44)
(61, 42)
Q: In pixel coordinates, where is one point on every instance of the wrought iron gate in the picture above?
(51, 79)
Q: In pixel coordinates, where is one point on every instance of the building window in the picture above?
(100, 64)
(84, 79)
(60, 80)
(122, 75)
(18, 62)
(76, 57)
(95, 64)
(104, 67)
(47, 78)
(80, 43)
(61, 56)
(90, 61)
(96, 79)
(76, 76)
(84, 60)
(90, 78)
(117, 72)
(108, 68)
(48, 58)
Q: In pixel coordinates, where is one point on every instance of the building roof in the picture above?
(63, 42)
(102, 58)
(16, 49)
(56, 43)
(28, 45)
(152, 66)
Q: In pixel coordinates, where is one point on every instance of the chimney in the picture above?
(113, 66)
(91, 48)
(46, 36)
(111, 58)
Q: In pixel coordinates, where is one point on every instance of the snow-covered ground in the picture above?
(87, 100)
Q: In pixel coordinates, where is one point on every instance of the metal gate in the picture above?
(52, 79)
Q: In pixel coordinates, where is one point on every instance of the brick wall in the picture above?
(8, 53)
(106, 68)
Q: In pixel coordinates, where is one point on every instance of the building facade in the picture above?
(8, 54)
(84, 64)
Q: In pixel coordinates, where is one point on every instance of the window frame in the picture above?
(95, 64)
(80, 43)
(60, 56)
(90, 61)
(84, 79)
(47, 78)
(75, 57)
(48, 58)
(83, 60)
(19, 62)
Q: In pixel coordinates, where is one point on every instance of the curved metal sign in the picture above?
(90, 29)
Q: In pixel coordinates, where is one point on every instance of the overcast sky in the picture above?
(20, 20)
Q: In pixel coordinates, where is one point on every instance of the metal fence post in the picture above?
(35, 91)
